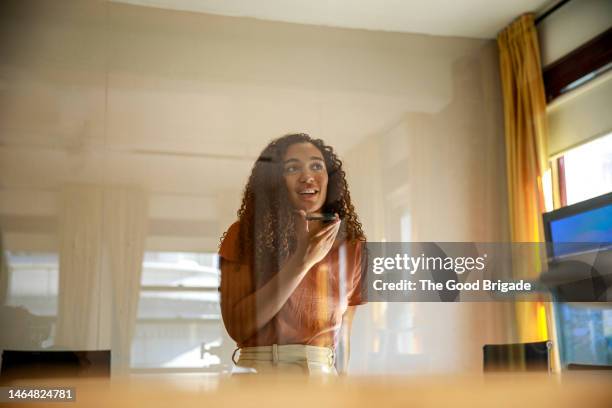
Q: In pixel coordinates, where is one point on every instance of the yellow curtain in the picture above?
(526, 156)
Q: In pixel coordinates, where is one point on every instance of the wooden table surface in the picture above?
(583, 390)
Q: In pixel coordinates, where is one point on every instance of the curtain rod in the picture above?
(551, 10)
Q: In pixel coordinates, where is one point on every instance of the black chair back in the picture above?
(588, 367)
(18, 364)
(517, 357)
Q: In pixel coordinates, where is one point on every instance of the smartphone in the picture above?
(325, 217)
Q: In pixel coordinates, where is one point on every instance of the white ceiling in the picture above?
(460, 18)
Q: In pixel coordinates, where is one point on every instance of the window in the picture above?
(585, 171)
(585, 330)
(179, 325)
(586, 334)
(588, 170)
(32, 293)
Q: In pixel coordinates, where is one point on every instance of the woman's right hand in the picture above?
(314, 246)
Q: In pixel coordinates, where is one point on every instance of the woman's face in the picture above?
(305, 176)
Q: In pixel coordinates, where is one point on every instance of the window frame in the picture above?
(557, 166)
(179, 321)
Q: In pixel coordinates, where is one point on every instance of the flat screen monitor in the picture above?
(580, 227)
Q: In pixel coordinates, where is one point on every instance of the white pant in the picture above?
(287, 359)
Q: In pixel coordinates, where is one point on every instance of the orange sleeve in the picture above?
(236, 283)
(357, 295)
(229, 246)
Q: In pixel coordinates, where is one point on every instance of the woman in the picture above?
(289, 285)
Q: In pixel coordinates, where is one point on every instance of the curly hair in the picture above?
(267, 218)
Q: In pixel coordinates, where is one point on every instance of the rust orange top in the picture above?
(313, 313)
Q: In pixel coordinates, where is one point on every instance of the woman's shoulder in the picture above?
(354, 243)
(354, 248)
(229, 248)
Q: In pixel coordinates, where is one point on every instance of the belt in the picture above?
(287, 353)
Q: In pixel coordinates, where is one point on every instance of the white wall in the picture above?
(444, 172)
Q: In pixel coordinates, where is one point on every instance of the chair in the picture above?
(517, 357)
(55, 364)
(588, 367)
